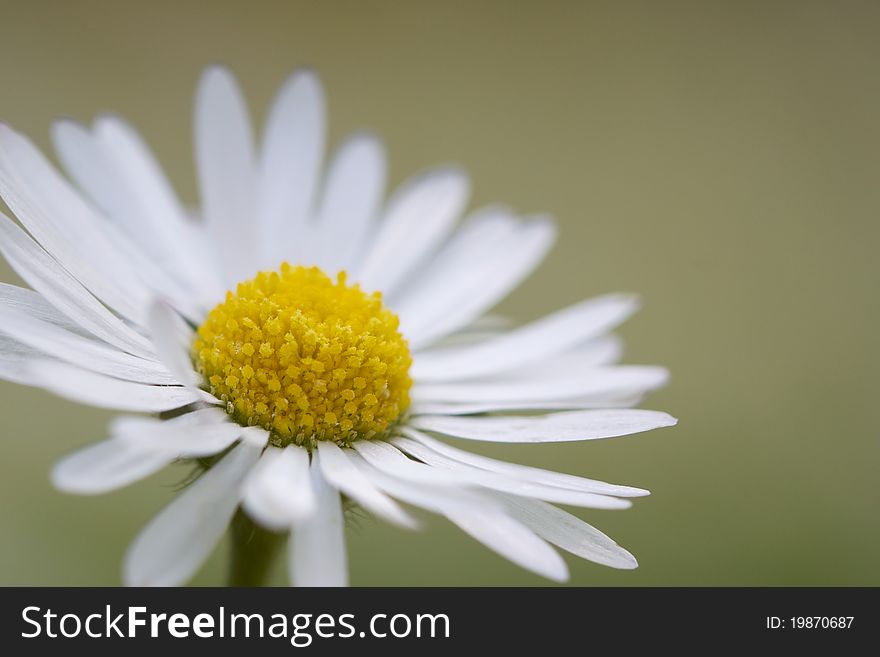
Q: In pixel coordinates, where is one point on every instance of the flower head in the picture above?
(305, 358)
(304, 340)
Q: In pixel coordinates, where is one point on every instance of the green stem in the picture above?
(254, 551)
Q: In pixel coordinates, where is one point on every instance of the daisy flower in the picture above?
(308, 343)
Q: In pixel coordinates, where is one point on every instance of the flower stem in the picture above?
(254, 551)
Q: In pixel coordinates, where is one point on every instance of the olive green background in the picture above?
(719, 158)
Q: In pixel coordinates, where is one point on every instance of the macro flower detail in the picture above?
(305, 359)
(304, 342)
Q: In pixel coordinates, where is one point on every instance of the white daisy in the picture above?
(306, 388)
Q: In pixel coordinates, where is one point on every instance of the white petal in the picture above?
(106, 466)
(278, 493)
(417, 442)
(468, 249)
(442, 499)
(339, 471)
(456, 290)
(64, 292)
(86, 163)
(132, 231)
(625, 380)
(205, 416)
(550, 335)
(606, 350)
(102, 391)
(517, 486)
(171, 337)
(65, 226)
(176, 542)
(14, 357)
(419, 217)
(148, 225)
(317, 546)
(352, 194)
(161, 279)
(179, 439)
(293, 148)
(513, 541)
(569, 532)
(163, 215)
(87, 353)
(34, 305)
(255, 436)
(482, 520)
(482, 328)
(391, 461)
(574, 403)
(553, 427)
(226, 167)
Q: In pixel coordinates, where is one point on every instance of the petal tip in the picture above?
(669, 420)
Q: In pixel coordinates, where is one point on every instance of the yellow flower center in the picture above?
(306, 358)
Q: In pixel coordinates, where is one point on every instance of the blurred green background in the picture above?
(720, 158)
